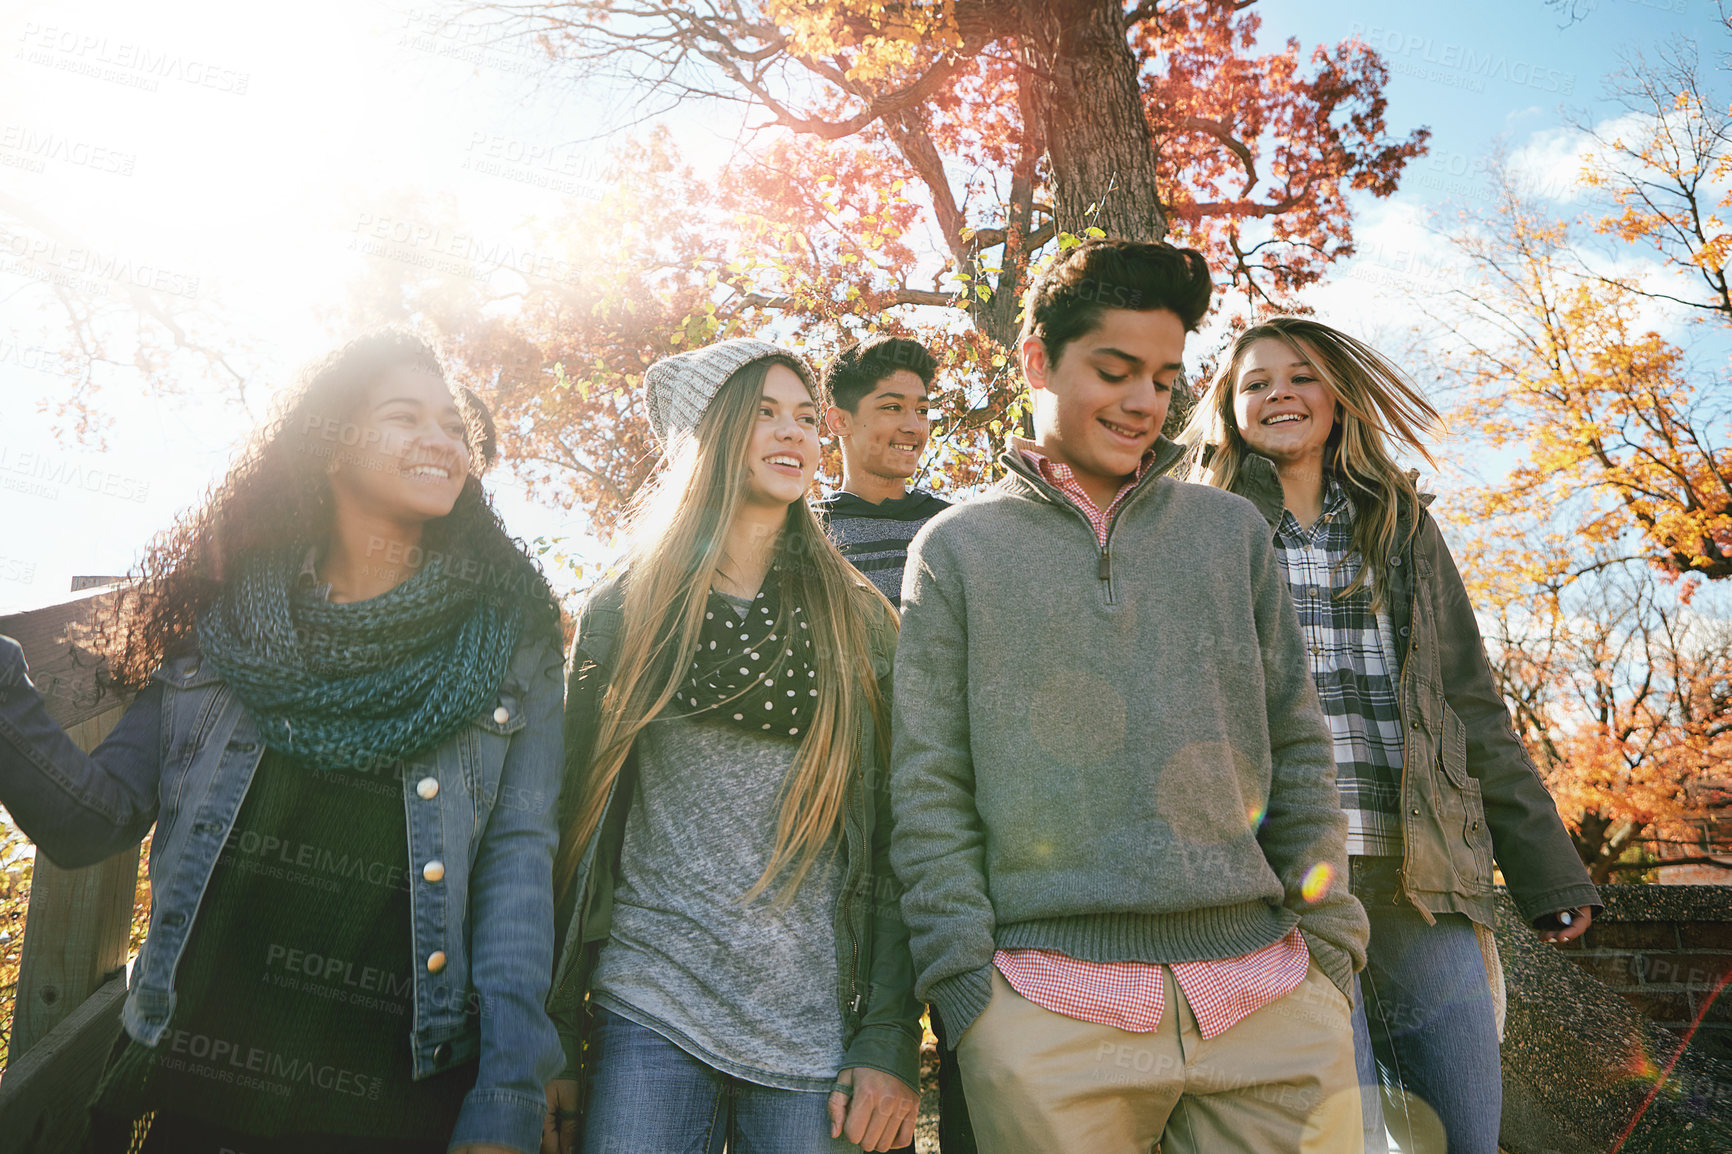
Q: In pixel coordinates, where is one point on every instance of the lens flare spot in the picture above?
(1318, 879)
(1255, 815)
(1639, 1066)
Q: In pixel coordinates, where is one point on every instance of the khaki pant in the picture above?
(1281, 1080)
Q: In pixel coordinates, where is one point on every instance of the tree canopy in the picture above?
(915, 165)
(1019, 120)
(1590, 557)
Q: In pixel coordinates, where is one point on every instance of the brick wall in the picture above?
(1666, 949)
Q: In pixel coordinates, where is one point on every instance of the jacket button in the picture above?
(435, 961)
(1404, 631)
(427, 788)
(441, 1053)
(433, 871)
(502, 715)
(1416, 813)
(1395, 560)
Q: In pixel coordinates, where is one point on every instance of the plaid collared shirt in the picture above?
(1131, 995)
(1352, 662)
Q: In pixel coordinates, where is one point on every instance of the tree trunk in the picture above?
(1088, 108)
(1090, 113)
(1000, 317)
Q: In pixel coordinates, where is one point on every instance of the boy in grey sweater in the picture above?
(1116, 818)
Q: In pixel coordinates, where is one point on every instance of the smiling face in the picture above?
(888, 430)
(1101, 406)
(1280, 405)
(782, 455)
(405, 459)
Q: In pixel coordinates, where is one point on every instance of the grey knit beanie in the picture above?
(682, 386)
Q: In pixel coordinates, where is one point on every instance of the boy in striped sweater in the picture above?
(881, 414)
(879, 390)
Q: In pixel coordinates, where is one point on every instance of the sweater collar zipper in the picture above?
(1016, 463)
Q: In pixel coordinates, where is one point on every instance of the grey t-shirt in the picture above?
(749, 989)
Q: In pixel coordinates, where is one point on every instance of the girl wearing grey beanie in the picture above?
(734, 965)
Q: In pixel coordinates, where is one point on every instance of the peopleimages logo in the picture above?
(1446, 62)
(480, 44)
(225, 1060)
(266, 850)
(559, 168)
(35, 148)
(87, 269)
(428, 246)
(49, 470)
(36, 358)
(121, 61)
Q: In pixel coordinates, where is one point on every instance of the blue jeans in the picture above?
(648, 1096)
(1427, 1019)
(1365, 1065)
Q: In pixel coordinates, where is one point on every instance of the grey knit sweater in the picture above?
(1115, 754)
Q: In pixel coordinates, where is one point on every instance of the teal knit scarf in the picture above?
(358, 685)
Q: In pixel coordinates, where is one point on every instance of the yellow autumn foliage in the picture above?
(872, 42)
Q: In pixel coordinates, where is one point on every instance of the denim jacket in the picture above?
(482, 803)
(874, 970)
(1469, 791)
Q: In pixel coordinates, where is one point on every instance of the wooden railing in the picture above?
(71, 980)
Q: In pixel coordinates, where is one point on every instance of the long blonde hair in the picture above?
(1376, 404)
(676, 536)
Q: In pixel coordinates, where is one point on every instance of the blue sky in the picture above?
(238, 162)
(1475, 70)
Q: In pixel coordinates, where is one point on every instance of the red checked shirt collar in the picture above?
(1063, 478)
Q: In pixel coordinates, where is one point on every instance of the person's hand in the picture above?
(1579, 919)
(559, 1129)
(876, 1111)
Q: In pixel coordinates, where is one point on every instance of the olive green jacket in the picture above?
(874, 972)
(1469, 792)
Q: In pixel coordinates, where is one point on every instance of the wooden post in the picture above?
(76, 931)
(62, 664)
(44, 1095)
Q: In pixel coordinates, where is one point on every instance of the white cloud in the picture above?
(1549, 165)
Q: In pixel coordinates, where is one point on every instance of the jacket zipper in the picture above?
(868, 737)
(1402, 889)
(847, 912)
(1104, 566)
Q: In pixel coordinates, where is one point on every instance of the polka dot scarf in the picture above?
(753, 668)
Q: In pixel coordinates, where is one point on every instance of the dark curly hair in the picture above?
(1067, 300)
(857, 369)
(278, 493)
